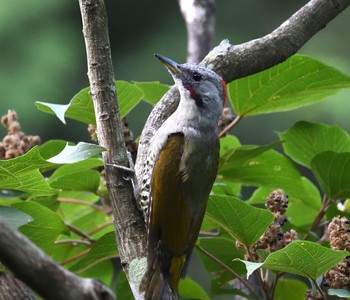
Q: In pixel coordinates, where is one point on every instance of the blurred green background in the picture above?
(42, 57)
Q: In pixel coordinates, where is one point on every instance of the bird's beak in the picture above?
(172, 66)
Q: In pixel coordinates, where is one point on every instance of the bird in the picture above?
(178, 176)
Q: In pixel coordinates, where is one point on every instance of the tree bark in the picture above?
(13, 289)
(129, 225)
(199, 16)
(42, 274)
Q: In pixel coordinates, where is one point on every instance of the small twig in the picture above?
(230, 126)
(74, 242)
(208, 233)
(229, 270)
(75, 257)
(100, 227)
(82, 202)
(323, 295)
(325, 204)
(80, 233)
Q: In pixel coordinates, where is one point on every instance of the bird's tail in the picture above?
(161, 284)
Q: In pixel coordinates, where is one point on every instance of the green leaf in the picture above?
(343, 293)
(242, 221)
(250, 266)
(14, 217)
(81, 107)
(290, 289)
(332, 171)
(103, 249)
(264, 167)
(304, 258)
(297, 82)
(152, 91)
(223, 249)
(304, 140)
(77, 176)
(123, 291)
(45, 227)
(22, 173)
(72, 154)
(228, 144)
(129, 95)
(52, 148)
(190, 289)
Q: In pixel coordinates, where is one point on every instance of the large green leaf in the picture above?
(332, 171)
(243, 221)
(304, 140)
(153, 91)
(45, 227)
(303, 258)
(264, 167)
(81, 107)
(72, 154)
(104, 248)
(22, 173)
(14, 217)
(189, 289)
(298, 81)
(77, 176)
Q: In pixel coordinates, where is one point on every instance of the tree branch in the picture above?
(129, 225)
(199, 17)
(233, 62)
(31, 265)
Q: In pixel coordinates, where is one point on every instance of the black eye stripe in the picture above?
(196, 76)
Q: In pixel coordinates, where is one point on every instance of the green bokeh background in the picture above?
(42, 57)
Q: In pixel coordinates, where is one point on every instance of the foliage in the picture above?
(56, 194)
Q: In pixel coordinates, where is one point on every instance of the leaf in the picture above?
(297, 82)
(189, 289)
(22, 173)
(14, 217)
(228, 144)
(304, 140)
(123, 291)
(72, 154)
(77, 176)
(45, 227)
(264, 167)
(304, 258)
(129, 95)
(290, 289)
(81, 107)
(152, 91)
(343, 293)
(223, 248)
(332, 171)
(251, 266)
(242, 221)
(52, 148)
(103, 249)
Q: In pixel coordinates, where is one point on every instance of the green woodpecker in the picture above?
(178, 175)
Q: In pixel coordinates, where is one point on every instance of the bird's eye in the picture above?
(196, 76)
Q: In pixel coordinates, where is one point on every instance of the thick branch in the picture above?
(233, 62)
(129, 225)
(200, 23)
(30, 264)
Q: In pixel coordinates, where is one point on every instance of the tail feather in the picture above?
(155, 287)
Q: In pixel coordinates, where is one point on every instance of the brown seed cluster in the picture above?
(339, 239)
(16, 142)
(274, 237)
(225, 119)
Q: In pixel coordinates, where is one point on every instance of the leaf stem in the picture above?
(228, 269)
(230, 126)
(75, 257)
(100, 227)
(80, 232)
(325, 204)
(319, 289)
(82, 202)
(74, 242)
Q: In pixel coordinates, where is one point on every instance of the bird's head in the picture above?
(198, 84)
